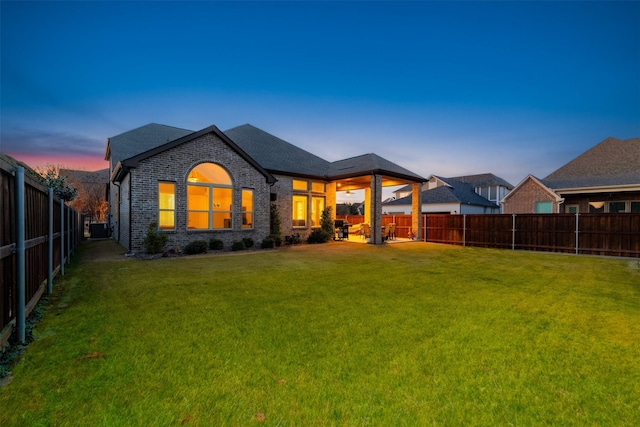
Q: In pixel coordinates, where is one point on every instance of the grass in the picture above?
(336, 334)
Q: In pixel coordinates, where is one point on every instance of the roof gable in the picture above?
(370, 163)
(133, 161)
(528, 180)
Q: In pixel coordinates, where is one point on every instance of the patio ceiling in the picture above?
(362, 182)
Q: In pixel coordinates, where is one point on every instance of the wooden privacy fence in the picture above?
(37, 235)
(593, 234)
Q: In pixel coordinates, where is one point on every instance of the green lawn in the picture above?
(336, 334)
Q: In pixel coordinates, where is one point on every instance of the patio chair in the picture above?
(366, 231)
(392, 231)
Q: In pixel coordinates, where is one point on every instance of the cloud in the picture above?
(47, 142)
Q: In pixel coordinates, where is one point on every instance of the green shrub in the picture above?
(196, 247)
(277, 239)
(238, 246)
(248, 242)
(268, 243)
(155, 241)
(216, 245)
(294, 239)
(318, 236)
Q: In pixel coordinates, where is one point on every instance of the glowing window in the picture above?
(317, 187)
(166, 205)
(247, 208)
(317, 206)
(300, 184)
(209, 197)
(299, 211)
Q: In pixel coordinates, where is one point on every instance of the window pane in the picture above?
(247, 208)
(197, 198)
(222, 220)
(493, 193)
(247, 200)
(544, 207)
(166, 220)
(299, 213)
(198, 219)
(317, 206)
(299, 184)
(221, 199)
(317, 187)
(572, 209)
(635, 206)
(596, 207)
(209, 173)
(167, 195)
(615, 207)
(247, 220)
(166, 205)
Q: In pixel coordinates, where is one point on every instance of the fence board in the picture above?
(36, 211)
(597, 234)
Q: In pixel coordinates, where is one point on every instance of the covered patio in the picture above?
(372, 173)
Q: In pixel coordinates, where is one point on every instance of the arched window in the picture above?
(209, 197)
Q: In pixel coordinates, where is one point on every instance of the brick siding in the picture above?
(523, 199)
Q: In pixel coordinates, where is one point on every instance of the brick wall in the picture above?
(284, 202)
(174, 165)
(523, 198)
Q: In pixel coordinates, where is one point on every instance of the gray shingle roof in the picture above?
(611, 162)
(144, 138)
(275, 154)
(483, 180)
(368, 163)
(457, 192)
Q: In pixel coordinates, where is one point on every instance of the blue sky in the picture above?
(446, 88)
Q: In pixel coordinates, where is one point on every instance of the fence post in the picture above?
(513, 234)
(50, 245)
(69, 228)
(577, 232)
(20, 256)
(61, 237)
(464, 230)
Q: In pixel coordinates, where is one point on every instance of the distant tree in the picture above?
(347, 209)
(91, 200)
(51, 177)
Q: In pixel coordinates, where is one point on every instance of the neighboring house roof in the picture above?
(613, 162)
(96, 177)
(123, 166)
(480, 180)
(483, 180)
(277, 155)
(139, 140)
(454, 192)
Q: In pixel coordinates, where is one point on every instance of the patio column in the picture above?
(375, 209)
(416, 209)
(367, 205)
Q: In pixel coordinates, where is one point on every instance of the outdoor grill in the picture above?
(342, 229)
